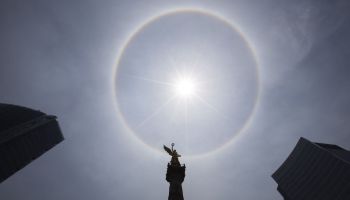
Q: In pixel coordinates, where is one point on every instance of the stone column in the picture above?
(175, 176)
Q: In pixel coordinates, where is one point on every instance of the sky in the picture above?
(276, 70)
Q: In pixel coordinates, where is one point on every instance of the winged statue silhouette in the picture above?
(174, 155)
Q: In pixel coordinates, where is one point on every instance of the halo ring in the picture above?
(205, 12)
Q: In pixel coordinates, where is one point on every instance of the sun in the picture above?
(185, 87)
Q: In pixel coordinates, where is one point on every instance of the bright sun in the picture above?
(185, 87)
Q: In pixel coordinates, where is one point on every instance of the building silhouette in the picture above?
(25, 134)
(315, 171)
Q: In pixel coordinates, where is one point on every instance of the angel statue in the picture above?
(174, 155)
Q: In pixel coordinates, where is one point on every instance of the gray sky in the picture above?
(60, 57)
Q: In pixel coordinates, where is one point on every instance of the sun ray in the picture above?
(174, 66)
(186, 121)
(196, 60)
(175, 111)
(150, 80)
(212, 107)
(157, 111)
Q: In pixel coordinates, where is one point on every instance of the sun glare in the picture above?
(185, 88)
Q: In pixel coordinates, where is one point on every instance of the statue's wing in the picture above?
(167, 149)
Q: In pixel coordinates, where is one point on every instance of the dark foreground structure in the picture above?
(25, 134)
(175, 175)
(315, 171)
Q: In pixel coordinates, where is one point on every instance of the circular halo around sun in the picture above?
(184, 87)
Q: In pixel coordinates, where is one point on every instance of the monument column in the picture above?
(175, 175)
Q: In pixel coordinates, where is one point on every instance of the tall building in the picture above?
(25, 134)
(315, 171)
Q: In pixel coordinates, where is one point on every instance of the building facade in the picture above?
(25, 134)
(315, 171)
